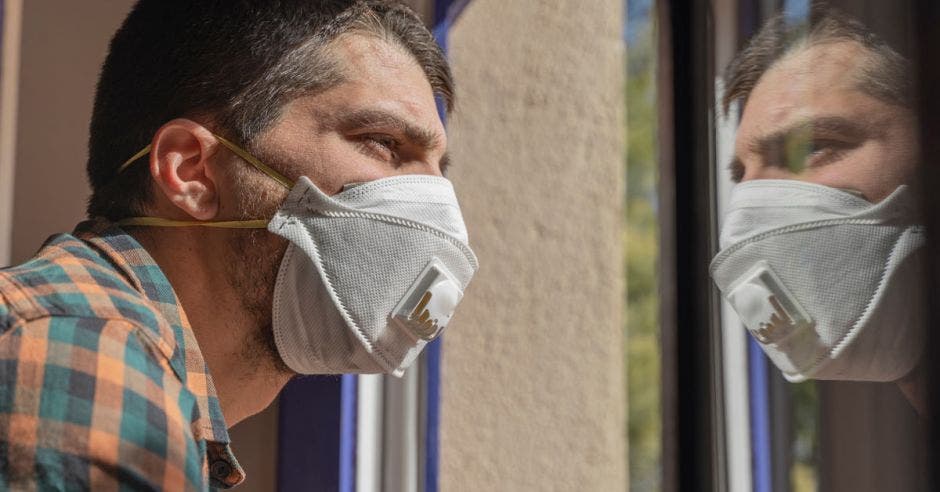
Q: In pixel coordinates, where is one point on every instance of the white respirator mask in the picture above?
(370, 275)
(828, 283)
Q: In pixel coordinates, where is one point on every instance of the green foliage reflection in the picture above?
(642, 261)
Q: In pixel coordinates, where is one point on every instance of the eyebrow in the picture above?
(825, 125)
(425, 138)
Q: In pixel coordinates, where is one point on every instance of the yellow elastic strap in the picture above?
(144, 151)
(225, 224)
(250, 159)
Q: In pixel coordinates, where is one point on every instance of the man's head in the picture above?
(829, 103)
(341, 92)
(827, 282)
(231, 66)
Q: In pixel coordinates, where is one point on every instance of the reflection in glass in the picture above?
(826, 209)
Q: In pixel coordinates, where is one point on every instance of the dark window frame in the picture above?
(693, 448)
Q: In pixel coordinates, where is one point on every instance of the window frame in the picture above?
(692, 402)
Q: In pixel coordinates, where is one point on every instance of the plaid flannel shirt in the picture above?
(102, 384)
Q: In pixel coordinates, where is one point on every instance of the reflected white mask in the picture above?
(371, 274)
(827, 282)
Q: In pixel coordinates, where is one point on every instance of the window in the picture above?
(820, 108)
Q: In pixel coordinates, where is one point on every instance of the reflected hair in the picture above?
(886, 75)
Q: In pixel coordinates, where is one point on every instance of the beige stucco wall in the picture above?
(533, 383)
(9, 93)
(63, 46)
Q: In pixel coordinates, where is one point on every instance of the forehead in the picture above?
(380, 74)
(811, 81)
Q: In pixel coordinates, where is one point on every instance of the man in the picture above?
(822, 247)
(267, 200)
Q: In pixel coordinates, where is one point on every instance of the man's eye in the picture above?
(817, 147)
(825, 151)
(813, 152)
(382, 146)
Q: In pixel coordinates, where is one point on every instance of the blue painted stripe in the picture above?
(347, 433)
(309, 434)
(760, 418)
(448, 10)
(317, 434)
(433, 417)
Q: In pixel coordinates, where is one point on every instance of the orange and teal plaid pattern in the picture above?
(102, 384)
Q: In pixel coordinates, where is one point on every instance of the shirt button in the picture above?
(220, 469)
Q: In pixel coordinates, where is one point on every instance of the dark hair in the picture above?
(234, 62)
(886, 75)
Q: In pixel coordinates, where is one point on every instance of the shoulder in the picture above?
(88, 396)
(71, 280)
(91, 401)
(67, 277)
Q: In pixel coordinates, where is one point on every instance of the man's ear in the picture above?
(179, 164)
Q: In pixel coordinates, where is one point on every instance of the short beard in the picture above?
(252, 271)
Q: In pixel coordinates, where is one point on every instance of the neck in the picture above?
(245, 377)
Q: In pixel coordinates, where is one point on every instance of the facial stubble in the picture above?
(252, 273)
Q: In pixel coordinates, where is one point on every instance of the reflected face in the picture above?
(808, 119)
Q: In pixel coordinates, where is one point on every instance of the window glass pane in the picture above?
(821, 244)
(641, 251)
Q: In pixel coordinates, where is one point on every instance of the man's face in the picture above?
(807, 119)
(381, 121)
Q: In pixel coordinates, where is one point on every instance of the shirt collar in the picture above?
(175, 338)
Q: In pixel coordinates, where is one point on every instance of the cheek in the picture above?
(341, 163)
(320, 159)
(876, 170)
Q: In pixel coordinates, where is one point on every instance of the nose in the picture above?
(422, 167)
(765, 172)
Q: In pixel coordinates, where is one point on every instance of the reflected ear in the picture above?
(179, 159)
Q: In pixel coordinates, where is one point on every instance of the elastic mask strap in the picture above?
(250, 159)
(225, 224)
